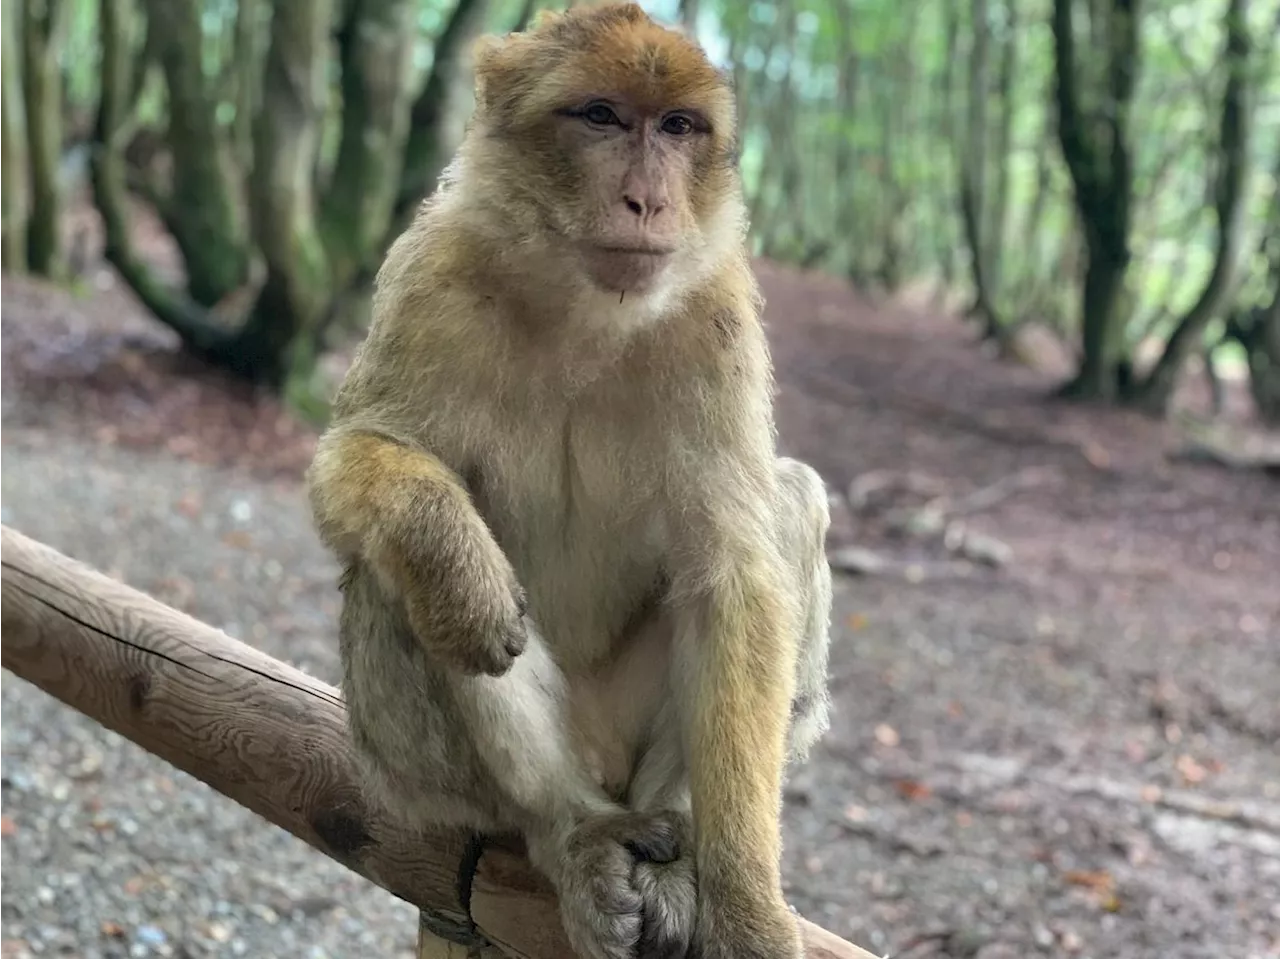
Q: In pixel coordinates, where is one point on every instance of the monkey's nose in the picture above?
(644, 207)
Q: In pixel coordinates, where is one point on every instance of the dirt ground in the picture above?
(1056, 660)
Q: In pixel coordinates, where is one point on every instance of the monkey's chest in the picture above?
(579, 512)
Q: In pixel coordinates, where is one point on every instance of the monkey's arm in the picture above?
(387, 503)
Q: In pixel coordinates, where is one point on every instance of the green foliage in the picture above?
(857, 141)
(848, 181)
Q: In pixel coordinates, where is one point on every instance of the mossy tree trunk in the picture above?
(205, 207)
(15, 188)
(42, 22)
(314, 248)
(1096, 148)
(439, 116)
(437, 121)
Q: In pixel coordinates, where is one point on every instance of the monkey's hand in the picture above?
(471, 615)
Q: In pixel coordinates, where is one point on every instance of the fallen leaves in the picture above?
(1101, 884)
(912, 790)
(1194, 772)
(238, 539)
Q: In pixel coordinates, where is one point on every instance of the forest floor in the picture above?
(1063, 745)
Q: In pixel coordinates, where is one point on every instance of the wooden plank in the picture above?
(264, 734)
(431, 946)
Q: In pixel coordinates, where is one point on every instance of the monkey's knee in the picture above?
(804, 516)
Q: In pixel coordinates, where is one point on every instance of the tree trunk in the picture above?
(947, 243)
(1096, 150)
(107, 173)
(973, 168)
(42, 92)
(437, 121)
(204, 212)
(375, 47)
(247, 63)
(1100, 324)
(276, 342)
(1154, 393)
(993, 241)
(439, 115)
(15, 189)
(1264, 365)
(844, 154)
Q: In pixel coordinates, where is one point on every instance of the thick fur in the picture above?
(583, 596)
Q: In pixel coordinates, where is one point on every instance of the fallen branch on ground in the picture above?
(268, 736)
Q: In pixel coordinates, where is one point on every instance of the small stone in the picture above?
(857, 561)
(886, 735)
(985, 549)
(152, 936)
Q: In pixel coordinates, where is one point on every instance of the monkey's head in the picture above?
(611, 139)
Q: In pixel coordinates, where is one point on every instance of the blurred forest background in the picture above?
(1021, 261)
(1106, 170)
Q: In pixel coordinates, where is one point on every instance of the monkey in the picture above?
(584, 598)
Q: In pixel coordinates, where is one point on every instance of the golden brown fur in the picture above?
(583, 597)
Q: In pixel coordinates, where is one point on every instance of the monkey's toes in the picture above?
(653, 838)
(670, 899)
(601, 908)
(732, 932)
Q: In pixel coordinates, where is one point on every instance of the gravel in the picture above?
(111, 852)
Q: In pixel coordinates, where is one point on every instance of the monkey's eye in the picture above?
(677, 125)
(600, 115)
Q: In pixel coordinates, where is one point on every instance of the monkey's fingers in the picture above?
(654, 838)
(473, 645)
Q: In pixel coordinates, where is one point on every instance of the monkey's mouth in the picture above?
(626, 269)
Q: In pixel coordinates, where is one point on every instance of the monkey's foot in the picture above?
(625, 890)
(730, 931)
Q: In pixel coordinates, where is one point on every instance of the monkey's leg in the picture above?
(661, 779)
(749, 677)
(495, 754)
(804, 517)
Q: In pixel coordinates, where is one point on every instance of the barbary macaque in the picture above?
(584, 598)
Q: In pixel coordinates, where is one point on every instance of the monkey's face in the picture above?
(620, 137)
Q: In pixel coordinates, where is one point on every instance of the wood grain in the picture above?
(266, 735)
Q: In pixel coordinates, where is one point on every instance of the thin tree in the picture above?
(1231, 189)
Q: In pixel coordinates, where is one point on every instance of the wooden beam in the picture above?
(268, 736)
